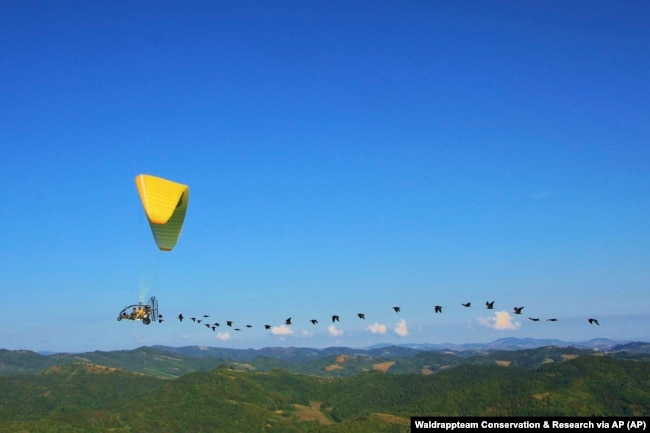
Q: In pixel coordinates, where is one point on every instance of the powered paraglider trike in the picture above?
(146, 312)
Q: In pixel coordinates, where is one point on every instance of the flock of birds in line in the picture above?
(335, 318)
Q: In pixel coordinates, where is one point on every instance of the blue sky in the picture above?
(342, 158)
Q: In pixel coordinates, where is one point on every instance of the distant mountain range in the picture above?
(171, 362)
(509, 343)
(513, 343)
(302, 354)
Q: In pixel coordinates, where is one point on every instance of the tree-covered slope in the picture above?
(82, 397)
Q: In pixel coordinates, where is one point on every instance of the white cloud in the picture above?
(502, 320)
(281, 330)
(333, 331)
(401, 329)
(139, 338)
(225, 336)
(376, 328)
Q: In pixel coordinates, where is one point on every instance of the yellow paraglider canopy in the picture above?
(165, 204)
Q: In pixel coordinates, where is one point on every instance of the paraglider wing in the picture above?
(165, 204)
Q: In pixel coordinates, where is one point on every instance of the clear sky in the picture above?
(343, 157)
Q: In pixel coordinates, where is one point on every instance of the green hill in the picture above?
(90, 398)
(63, 395)
(330, 362)
(144, 360)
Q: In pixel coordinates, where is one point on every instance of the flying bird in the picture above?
(288, 321)
(489, 305)
(335, 318)
(180, 317)
(313, 321)
(207, 325)
(161, 320)
(534, 319)
(267, 326)
(361, 316)
(466, 305)
(193, 319)
(518, 310)
(592, 321)
(397, 309)
(249, 326)
(229, 323)
(551, 320)
(438, 309)
(213, 328)
(199, 320)
(216, 324)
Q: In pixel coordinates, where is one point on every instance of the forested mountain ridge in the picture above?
(84, 397)
(173, 362)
